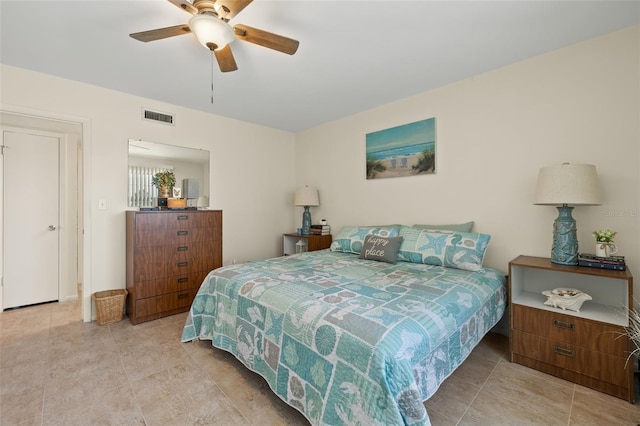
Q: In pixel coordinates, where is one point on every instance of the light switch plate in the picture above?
(102, 204)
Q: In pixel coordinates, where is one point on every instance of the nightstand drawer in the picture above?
(587, 362)
(570, 329)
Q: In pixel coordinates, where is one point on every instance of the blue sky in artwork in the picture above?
(407, 134)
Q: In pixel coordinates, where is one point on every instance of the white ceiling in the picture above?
(353, 55)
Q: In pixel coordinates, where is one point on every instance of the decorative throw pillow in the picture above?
(459, 227)
(461, 250)
(381, 248)
(351, 238)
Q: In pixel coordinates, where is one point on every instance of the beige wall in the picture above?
(494, 131)
(252, 177)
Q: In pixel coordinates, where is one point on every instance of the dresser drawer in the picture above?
(163, 261)
(164, 303)
(570, 329)
(176, 220)
(598, 365)
(187, 266)
(146, 238)
(170, 284)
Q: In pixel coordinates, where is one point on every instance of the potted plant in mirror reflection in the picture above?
(164, 181)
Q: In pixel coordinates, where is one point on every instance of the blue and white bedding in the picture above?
(346, 340)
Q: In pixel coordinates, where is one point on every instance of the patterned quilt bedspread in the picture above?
(345, 340)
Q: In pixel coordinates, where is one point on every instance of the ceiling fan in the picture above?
(210, 25)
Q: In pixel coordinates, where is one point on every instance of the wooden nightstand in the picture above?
(586, 347)
(313, 242)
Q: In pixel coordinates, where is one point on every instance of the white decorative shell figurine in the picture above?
(566, 298)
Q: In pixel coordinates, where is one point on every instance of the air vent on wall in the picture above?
(159, 117)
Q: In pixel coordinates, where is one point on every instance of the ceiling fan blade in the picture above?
(225, 59)
(185, 5)
(233, 6)
(161, 33)
(266, 39)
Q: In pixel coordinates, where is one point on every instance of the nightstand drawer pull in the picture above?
(183, 280)
(182, 264)
(183, 296)
(563, 351)
(183, 248)
(183, 217)
(183, 232)
(563, 324)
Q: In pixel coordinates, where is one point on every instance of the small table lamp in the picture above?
(575, 184)
(305, 197)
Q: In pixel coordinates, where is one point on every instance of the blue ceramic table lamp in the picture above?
(562, 186)
(305, 197)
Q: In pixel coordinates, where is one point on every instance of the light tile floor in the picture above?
(56, 370)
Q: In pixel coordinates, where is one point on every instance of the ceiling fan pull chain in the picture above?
(212, 76)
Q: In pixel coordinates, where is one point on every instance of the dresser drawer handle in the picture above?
(183, 248)
(183, 280)
(183, 232)
(563, 324)
(183, 217)
(563, 351)
(183, 296)
(182, 264)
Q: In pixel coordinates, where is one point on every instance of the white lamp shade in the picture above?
(307, 196)
(209, 29)
(571, 184)
(203, 201)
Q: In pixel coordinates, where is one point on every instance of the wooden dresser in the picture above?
(587, 347)
(169, 253)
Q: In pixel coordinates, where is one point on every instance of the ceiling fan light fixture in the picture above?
(211, 30)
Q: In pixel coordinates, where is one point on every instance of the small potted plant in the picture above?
(164, 181)
(604, 242)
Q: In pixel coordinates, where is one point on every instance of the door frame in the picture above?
(84, 191)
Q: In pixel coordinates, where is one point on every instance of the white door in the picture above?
(30, 217)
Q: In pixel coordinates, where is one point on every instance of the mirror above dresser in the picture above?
(190, 166)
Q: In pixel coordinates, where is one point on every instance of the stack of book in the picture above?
(593, 261)
(321, 229)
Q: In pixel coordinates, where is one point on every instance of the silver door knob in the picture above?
(52, 228)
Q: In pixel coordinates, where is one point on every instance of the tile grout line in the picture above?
(124, 370)
(46, 371)
(49, 363)
(573, 397)
(479, 391)
(193, 342)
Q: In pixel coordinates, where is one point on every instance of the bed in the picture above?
(346, 338)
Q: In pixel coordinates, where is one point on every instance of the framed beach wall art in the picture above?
(406, 150)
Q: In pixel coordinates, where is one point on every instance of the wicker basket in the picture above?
(109, 305)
